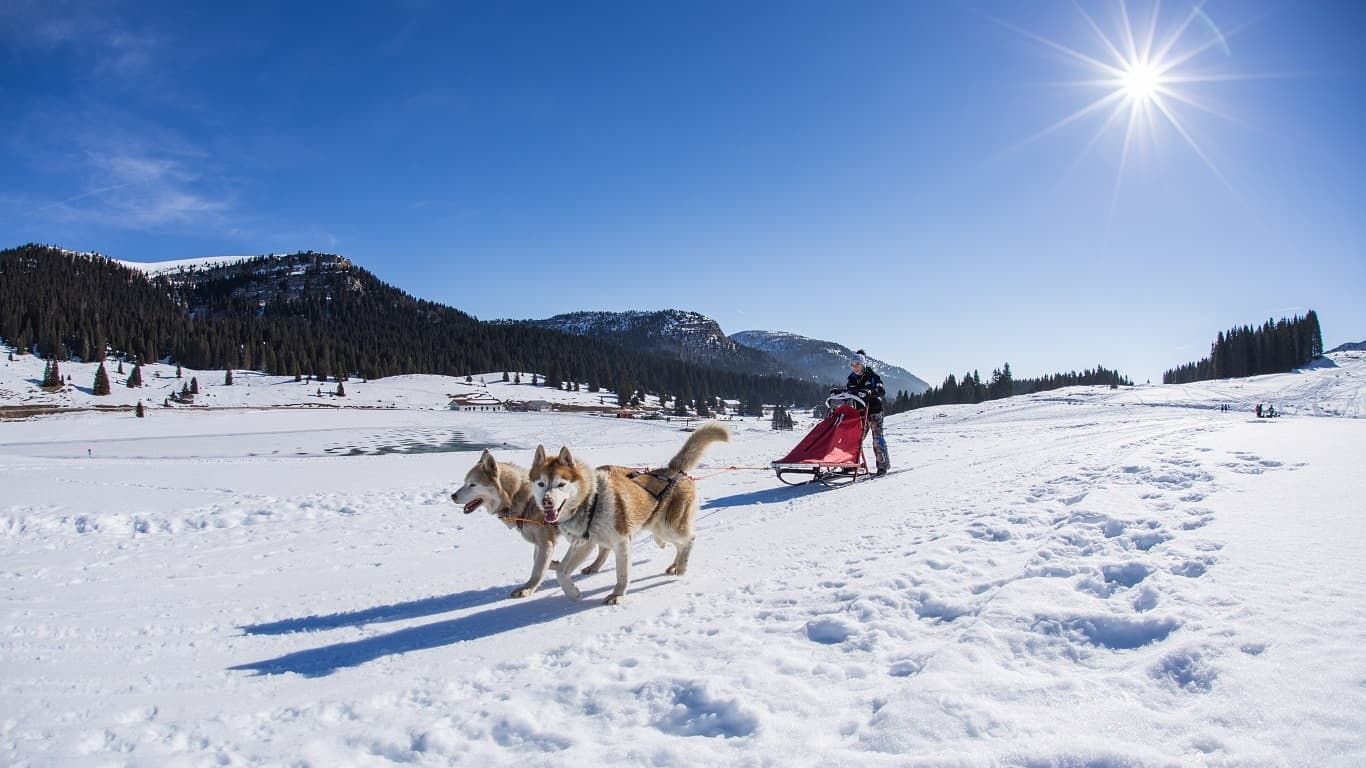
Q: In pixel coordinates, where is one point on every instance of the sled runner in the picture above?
(832, 452)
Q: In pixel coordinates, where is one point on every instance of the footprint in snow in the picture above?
(1187, 669)
(829, 631)
(1112, 632)
(1193, 569)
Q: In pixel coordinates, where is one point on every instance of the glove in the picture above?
(835, 390)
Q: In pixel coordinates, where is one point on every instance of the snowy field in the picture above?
(1087, 577)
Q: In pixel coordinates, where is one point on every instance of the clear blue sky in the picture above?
(860, 172)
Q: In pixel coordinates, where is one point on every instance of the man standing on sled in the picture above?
(865, 383)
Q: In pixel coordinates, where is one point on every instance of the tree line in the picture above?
(972, 389)
(1278, 346)
(319, 315)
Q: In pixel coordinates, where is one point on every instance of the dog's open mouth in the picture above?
(552, 512)
(473, 505)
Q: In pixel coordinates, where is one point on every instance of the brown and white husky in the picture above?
(504, 490)
(605, 507)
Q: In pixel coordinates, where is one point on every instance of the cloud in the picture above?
(95, 33)
(131, 190)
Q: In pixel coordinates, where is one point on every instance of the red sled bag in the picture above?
(832, 452)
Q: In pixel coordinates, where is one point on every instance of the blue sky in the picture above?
(871, 173)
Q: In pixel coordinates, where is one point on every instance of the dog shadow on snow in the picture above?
(412, 609)
(764, 496)
(323, 661)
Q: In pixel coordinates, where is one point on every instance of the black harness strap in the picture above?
(592, 511)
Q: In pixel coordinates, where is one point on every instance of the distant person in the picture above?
(1259, 410)
(865, 383)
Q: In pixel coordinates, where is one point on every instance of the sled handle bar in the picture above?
(844, 397)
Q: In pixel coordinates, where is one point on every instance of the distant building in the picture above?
(528, 406)
(476, 401)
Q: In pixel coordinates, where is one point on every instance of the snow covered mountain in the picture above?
(1354, 346)
(222, 285)
(824, 361)
(679, 334)
(320, 314)
(694, 337)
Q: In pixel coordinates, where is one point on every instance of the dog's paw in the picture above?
(523, 592)
(554, 564)
(589, 569)
(674, 570)
(614, 599)
(572, 594)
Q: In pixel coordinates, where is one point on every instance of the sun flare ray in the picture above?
(1146, 84)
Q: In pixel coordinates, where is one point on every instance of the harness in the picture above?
(669, 482)
(592, 512)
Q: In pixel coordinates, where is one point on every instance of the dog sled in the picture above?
(832, 452)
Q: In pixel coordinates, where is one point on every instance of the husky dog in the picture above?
(608, 505)
(504, 490)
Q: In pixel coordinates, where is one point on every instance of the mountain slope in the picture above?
(824, 361)
(314, 313)
(678, 334)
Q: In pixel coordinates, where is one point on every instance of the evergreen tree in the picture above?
(139, 411)
(341, 390)
(179, 374)
(101, 381)
(227, 378)
(517, 378)
(194, 385)
(1277, 346)
(505, 377)
(52, 377)
(469, 379)
(135, 378)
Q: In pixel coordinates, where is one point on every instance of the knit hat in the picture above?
(859, 357)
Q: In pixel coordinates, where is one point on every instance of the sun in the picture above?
(1141, 82)
(1141, 78)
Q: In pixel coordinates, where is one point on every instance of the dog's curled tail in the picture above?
(692, 451)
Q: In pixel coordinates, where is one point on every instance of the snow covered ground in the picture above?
(20, 379)
(1086, 577)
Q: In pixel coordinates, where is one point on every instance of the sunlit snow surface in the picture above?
(1085, 577)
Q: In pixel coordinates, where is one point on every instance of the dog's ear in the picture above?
(540, 456)
(564, 457)
(487, 463)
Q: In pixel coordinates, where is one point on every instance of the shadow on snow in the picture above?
(396, 612)
(765, 496)
(320, 662)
